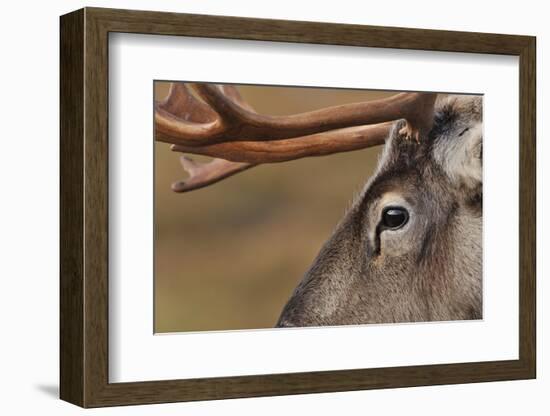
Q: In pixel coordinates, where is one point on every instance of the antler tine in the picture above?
(207, 173)
(181, 103)
(233, 93)
(275, 151)
(184, 115)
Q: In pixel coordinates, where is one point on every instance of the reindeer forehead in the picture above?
(452, 115)
(407, 166)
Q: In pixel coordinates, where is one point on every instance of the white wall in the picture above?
(29, 208)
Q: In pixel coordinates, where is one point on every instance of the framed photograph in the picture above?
(260, 207)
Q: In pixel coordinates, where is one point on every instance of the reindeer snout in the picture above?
(284, 323)
(290, 316)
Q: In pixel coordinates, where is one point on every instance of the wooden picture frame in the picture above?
(84, 207)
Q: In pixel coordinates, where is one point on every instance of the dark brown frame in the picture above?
(84, 209)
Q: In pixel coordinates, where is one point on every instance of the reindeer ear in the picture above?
(462, 160)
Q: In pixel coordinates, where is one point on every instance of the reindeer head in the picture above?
(409, 248)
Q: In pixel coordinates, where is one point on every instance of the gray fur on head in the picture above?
(428, 269)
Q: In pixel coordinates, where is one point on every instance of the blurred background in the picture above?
(228, 256)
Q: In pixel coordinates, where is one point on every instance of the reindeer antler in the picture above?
(225, 127)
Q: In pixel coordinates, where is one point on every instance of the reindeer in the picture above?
(409, 247)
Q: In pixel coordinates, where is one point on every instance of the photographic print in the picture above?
(307, 207)
(286, 222)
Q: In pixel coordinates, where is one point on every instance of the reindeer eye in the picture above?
(394, 217)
